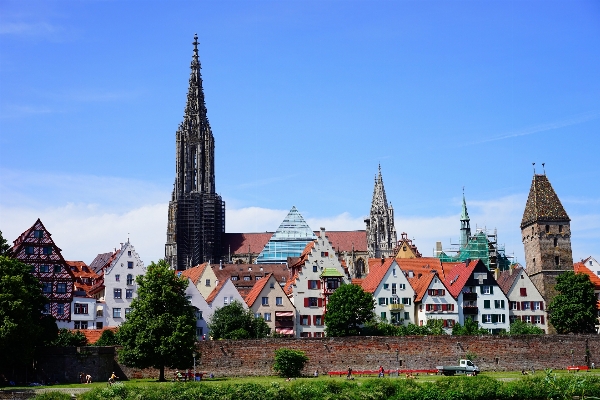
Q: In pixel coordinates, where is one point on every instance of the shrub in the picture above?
(289, 363)
(108, 338)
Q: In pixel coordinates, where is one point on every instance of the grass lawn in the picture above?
(267, 380)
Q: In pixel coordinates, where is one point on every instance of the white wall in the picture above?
(404, 295)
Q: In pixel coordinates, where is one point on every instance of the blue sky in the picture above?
(305, 99)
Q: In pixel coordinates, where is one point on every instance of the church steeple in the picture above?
(196, 213)
(381, 233)
(465, 223)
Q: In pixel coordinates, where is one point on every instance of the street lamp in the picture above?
(194, 355)
(572, 358)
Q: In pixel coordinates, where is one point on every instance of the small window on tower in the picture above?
(555, 242)
(557, 260)
(547, 228)
(560, 229)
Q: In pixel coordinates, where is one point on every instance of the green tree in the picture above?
(160, 330)
(108, 338)
(519, 327)
(573, 310)
(68, 338)
(23, 326)
(471, 327)
(289, 363)
(348, 308)
(4, 246)
(233, 321)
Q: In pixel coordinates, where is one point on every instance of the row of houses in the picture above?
(292, 298)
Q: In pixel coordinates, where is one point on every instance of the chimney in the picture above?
(496, 274)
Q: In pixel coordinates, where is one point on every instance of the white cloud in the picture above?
(253, 219)
(27, 29)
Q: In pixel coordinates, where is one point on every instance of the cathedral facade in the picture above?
(381, 232)
(196, 217)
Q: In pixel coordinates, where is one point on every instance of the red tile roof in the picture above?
(288, 286)
(256, 289)
(457, 276)
(255, 272)
(194, 273)
(92, 335)
(507, 278)
(422, 265)
(240, 243)
(421, 284)
(345, 240)
(215, 292)
(84, 276)
(580, 268)
(376, 274)
(304, 255)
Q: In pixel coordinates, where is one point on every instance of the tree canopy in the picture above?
(348, 308)
(289, 363)
(160, 330)
(108, 338)
(470, 327)
(68, 338)
(519, 327)
(4, 246)
(233, 321)
(23, 326)
(573, 310)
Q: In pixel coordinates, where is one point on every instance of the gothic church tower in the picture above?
(196, 220)
(546, 234)
(381, 233)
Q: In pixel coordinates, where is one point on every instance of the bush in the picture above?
(108, 338)
(289, 363)
(68, 338)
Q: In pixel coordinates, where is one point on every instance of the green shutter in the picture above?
(491, 289)
(486, 304)
(383, 315)
(494, 318)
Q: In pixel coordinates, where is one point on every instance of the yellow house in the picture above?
(406, 248)
(267, 300)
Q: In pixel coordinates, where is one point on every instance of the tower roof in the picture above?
(379, 202)
(542, 204)
(464, 215)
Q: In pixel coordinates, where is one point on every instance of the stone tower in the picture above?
(381, 233)
(546, 234)
(196, 220)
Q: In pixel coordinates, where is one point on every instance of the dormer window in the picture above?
(38, 234)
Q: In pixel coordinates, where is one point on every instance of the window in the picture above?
(100, 312)
(257, 315)
(247, 278)
(313, 302)
(265, 301)
(402, 286)
(486, 304)
(305, 334)
(258, 277)
(487, 290)
(272, 285)
(394, 271)
(537, 305)
(318, 320)
(127, 312)
(117, 278)
(207, 282)
(117, 293)
(527, 319)
(57, 269)
(324, 254)
(537, 319)
(116, 313)
(513, 305)
(486, 318)
(406, 315)
(98, 325)
(436, 292)
(498, 303)
(199, 314)
(305, 320)
(525, 305)
(81, 308)
(394, 289)
(225, 300)
(267, 316)
(557, 260)
(38, 234)
(60, 309)
(61, 288)
(129, 253)
(130, 264)
(386, 286)
(555, 242)
(383, 315)
(129, 279)
(47, 250)
(44, 268)
(81, 325)
(547, 228)
(315, 268)
(382, 301)
(278, 301)
(319, 334)
(560, 229)
(523, 292)
(129, 293)
(406, 301)
(46, 309)
(313, 284)
(29, 249)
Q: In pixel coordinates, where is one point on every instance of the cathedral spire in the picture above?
(381, 233)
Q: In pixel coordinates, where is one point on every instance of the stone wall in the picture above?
(496, 353)
(63, 364)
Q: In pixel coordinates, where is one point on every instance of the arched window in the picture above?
(360, 268)
(129, 279)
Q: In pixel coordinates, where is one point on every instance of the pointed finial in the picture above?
(533, 168)
(195, 43)
(544, 168)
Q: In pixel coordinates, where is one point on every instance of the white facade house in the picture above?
(525, 301)
(393, 294)
(436, 303)
(83, 313)
(118, 287)
(202, 310)
(478, 296)
(316, 276)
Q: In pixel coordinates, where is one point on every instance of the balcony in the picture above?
(284, 323)
(469, 296)
(393, 307)
(470, 310)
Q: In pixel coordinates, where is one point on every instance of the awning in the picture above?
(284, 313)
(284, 331)
(99, 307)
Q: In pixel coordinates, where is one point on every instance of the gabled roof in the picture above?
(194, 273)
(580, 268)
(84, 276)
(422, 265)
(542, 204)
(376, 273)
(347, 240)
(507, 278)
(255, 272)
(256, 289)
(288, 286)
(421, 284)
(457, 276)
(304, 255)
(240, 243)
(101, 260)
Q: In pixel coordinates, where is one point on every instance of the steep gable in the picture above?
(256, 289)
(458, 276)
(376, 274)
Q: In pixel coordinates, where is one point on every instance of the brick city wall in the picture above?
(63, 364)
(496, 353)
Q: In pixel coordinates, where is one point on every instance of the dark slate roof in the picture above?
(542, 204)
(100, 261)
(507, 278)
